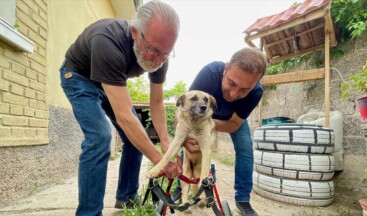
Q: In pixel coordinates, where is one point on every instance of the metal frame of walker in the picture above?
(208, 186)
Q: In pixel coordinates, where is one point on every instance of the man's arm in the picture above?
(128, 121)
(158, 114)
(228, 126)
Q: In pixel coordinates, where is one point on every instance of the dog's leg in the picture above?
(173, 148)
(205, 169)
(205, 164)
(187, 171)
(196, 174)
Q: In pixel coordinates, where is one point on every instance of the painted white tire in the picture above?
(295, 165)
(305, 193)
(294, 138)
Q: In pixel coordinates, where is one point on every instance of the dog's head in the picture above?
(197, 103)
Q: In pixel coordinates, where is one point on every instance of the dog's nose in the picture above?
(203, 107)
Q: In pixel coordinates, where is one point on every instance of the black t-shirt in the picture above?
(209, 80)
(104, 53)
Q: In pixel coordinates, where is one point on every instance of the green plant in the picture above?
(170, 117)
(115, 156)
(140, 210)
(356, 84)
(224, 160)
(351, 16)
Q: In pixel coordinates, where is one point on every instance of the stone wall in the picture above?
(25, 170)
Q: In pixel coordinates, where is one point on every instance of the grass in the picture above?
(139, 210)
(224, 160)
(148, 209)
(115, 156)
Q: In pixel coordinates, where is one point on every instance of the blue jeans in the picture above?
(244, 162)
(90, 106)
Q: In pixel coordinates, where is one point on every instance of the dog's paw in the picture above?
(188, 211)
(153, 173)
(201, 203)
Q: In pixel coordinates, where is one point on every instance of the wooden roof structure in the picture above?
(301, 29)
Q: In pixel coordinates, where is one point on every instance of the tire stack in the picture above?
(293, 164)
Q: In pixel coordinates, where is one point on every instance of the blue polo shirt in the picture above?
(209, 80)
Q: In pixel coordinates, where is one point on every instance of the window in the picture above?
(10, 34)
(7, 11)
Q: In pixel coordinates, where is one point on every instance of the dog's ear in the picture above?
(181, 100)
(213, 102)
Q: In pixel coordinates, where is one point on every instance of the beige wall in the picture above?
(29, 83)
(67, 19)
(23, 91)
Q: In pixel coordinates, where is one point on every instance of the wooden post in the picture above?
(260, 117)
(327, 78)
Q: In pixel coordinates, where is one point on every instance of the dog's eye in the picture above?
(206, 100)
(195, 98)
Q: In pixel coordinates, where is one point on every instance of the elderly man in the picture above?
(94, 78)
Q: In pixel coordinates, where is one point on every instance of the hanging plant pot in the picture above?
(362, 106)
(363, 203)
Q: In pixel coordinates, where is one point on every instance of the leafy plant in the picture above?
(356, 84)
(140, 210)
(351, 16)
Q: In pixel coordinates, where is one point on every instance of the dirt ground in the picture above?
(267, 207)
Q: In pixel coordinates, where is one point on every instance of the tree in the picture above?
(139, 92)
(177, 90)
(139, 89)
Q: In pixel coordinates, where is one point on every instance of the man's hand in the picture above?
(173, 169)
(192, 146)
(164, 146)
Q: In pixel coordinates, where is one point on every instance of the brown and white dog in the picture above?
(194, 114)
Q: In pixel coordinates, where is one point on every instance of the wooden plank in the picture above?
(330, 28)
(327, 78)
(249, 42)
(275, 60)
(291, 77)
(260, 114)
(319, 26)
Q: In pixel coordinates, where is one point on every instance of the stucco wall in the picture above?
(67, 19)
(296, 99)
(28, 169)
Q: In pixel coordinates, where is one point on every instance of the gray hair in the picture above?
(249, 60)
(164, 12)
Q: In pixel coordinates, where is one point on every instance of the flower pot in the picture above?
(363, 203)
(362, 106)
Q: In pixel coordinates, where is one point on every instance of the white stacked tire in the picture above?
(292, 163)
(294, 138)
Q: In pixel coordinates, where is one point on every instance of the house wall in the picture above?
(39, 136)
(295, 99)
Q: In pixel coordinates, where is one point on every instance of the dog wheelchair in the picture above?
(163, 199)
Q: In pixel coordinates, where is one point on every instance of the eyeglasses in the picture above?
(156, 52)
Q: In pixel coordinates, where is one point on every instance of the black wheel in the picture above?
(226, 209)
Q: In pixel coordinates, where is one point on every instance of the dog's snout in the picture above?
(203, 107)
